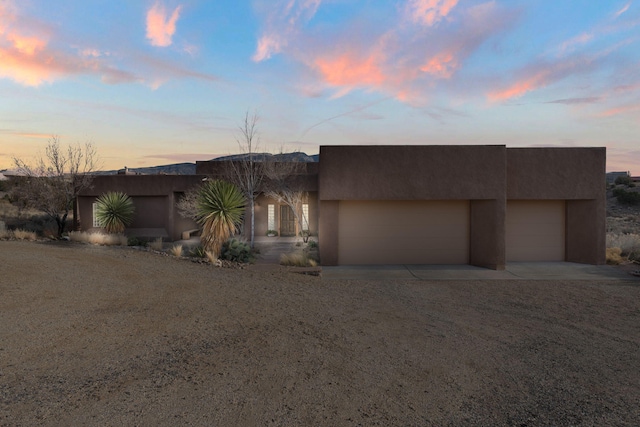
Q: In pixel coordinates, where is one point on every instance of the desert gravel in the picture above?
(102, 336)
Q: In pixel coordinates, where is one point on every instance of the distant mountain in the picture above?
(190, 168)
(285, 157)
(174, 169)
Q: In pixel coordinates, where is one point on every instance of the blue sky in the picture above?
(158, 82)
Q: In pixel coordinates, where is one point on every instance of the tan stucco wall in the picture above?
(487, 234)
(576, 175)
(486, 175)
(432, 172)
(153, 196)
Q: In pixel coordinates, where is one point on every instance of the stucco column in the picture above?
(328, 231)
(488, 234)
(586, 231)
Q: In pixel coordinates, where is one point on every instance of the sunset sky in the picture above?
(159, 82)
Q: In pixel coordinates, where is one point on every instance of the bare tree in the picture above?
(285, 182)
(54, 182)
(247, 170)
(187, 205)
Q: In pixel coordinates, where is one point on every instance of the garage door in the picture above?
(535, 230)
(403, 232)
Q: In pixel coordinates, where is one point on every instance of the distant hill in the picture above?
(285, 157)
(173, 169)
(190, 168)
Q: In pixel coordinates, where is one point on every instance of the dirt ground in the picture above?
(117, 336)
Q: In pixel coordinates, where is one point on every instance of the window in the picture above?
(94, 209)
(305, 216)
(271, 211)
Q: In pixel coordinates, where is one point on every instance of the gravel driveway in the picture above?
(114, 336)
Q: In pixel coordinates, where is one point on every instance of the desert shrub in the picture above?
(198, 252)
(114, 211)
(96, 238)
(135, 241)
(614, 256)
(156, 244)
(623, 180)
(297, 259)
(220, 207)
(629, 244)
(176, 251)
(5, 234)
(20, 234)
(236, 250)
(627, 197)
(626, 245)
(211, 257)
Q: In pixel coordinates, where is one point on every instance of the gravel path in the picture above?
(115, 336)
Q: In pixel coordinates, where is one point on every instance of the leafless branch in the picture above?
(57, 178)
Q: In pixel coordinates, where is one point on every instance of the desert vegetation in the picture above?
(220, 208)
(18, 234)
(156, 244)
(52, 184)
(303, 256)
(623, 247)
(176, 251)
(98, 238)
(114, 211)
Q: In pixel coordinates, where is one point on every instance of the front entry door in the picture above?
(287, 221)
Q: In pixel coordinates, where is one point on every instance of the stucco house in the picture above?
(478, 205)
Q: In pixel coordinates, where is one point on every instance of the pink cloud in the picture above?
(576, 41)
(31, 54)
(623, 110)
(160, 27)
(622, 10)
(429, 12)
(543, 73)
(441, 65)
(403, 62)
(283, 22)
(350, 70)
(268, 45)
(522, 86)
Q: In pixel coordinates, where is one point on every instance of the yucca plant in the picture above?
(220, 207)
(114, 211)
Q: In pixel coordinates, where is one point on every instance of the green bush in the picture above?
(198, 252)
(236, 250)
(313, 244)
(135, 241)
(627, 197)
(623, 180)
(114, 211)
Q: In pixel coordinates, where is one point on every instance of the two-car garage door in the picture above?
(437, 232)
(403, 232)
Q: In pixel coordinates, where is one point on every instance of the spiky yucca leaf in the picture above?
(114, 211)
(220, 208)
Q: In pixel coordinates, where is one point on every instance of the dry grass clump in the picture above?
(629, 245)
(176, 251)
(297, 259)
(96, 238)
(5, 234)
(614, 256)
(25, 235)
(156, 245)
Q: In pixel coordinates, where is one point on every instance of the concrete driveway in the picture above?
(517, 270)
